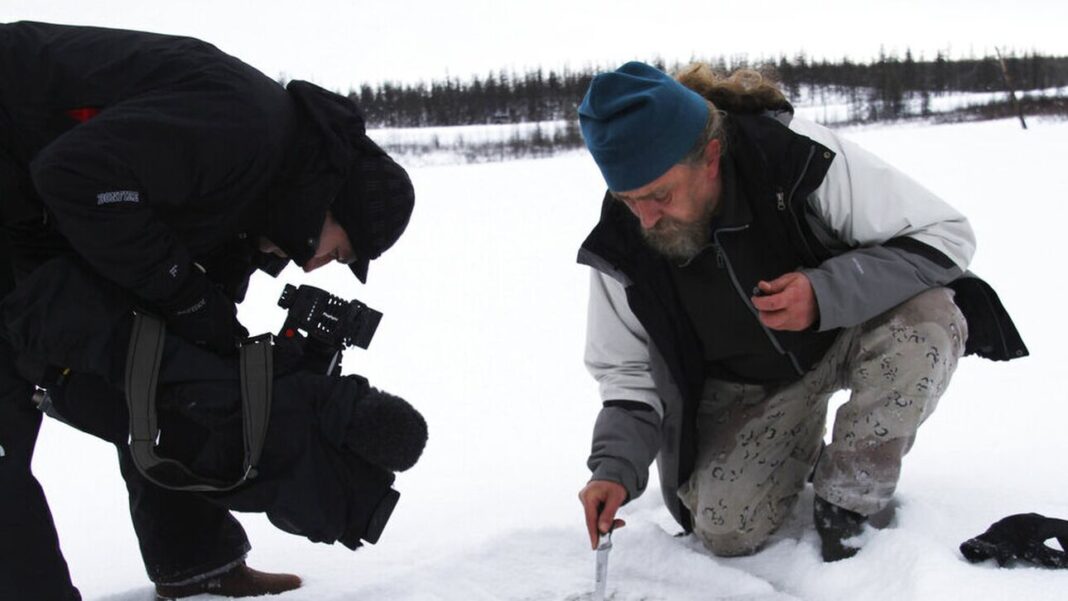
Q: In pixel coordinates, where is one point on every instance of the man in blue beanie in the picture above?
(747, 265)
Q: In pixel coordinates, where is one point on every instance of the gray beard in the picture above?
(678, 240)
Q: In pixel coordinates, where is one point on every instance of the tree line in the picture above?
(887, 87)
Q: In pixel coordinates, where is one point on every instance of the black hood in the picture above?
(328, 127)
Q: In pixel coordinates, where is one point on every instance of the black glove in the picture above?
(202, 314)
(1021, 536)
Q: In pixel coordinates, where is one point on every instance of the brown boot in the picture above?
(241, 581)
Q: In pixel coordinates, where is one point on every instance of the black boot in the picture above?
(836, 525)
(241, 581)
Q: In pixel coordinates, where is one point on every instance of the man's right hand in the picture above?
(205, 316)
(601, 499)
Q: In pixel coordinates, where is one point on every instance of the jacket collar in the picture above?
(734, 210)
(771, 158)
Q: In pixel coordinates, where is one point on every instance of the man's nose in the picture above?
(649, 213)
(316, 262)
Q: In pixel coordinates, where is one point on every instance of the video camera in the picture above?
(323, 325)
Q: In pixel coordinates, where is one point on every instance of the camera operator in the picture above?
(169, 168)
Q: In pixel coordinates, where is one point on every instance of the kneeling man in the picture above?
(747, 265)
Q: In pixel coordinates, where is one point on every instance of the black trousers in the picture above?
(31, 564)
(181, 535)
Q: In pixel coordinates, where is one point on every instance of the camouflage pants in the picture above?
(758, 444)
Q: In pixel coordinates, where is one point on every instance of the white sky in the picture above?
(339, 43)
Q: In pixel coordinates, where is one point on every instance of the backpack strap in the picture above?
(142, 376)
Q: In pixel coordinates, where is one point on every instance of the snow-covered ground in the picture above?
(483, 331)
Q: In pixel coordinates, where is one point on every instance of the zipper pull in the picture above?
(721, 258)
(780, 200)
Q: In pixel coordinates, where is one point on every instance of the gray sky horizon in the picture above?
(340, 44)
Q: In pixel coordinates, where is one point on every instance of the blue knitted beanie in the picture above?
(638, 122)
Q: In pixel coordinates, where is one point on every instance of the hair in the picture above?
(744, 91)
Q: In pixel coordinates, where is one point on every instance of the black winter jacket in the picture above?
(145, 152)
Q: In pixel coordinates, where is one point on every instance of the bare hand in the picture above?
(601, 499)
(787, 303)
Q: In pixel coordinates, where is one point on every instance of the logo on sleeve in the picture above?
(107, 198)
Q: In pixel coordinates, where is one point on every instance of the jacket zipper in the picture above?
(738, 288)
(783, 202)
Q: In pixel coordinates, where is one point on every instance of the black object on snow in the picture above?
(1020, 537)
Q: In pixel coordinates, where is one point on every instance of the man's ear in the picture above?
(712, 154)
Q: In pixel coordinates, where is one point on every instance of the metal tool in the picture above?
(604, 545)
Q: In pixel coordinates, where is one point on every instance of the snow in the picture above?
(483, 331)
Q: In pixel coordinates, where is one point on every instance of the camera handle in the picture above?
(142, 375)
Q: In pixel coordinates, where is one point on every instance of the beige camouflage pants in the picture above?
(757, 444)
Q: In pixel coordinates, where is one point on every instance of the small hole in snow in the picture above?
(1053, 544)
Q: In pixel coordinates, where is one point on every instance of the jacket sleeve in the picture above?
(626, 436)
(899, 239)
(113, 182)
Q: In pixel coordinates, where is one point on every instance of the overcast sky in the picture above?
(339, 43)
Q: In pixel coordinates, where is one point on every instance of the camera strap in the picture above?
(142, 376)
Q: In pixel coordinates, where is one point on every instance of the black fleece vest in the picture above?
(715, 288)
